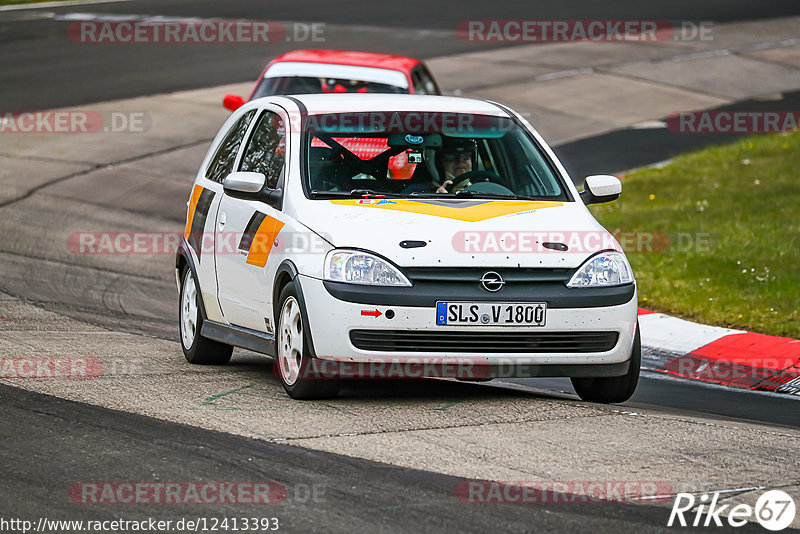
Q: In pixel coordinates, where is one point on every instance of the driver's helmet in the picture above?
(451, 147)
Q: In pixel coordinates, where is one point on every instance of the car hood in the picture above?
(462, 233)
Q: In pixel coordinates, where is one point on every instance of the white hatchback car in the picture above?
(480, 254)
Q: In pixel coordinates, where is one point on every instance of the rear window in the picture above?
(295, 85)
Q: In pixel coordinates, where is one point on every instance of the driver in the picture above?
(454, 159)
(445, 165)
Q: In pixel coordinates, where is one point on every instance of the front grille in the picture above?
(482, 342)
(461, 275)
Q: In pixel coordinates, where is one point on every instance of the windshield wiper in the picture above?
(355, 193)
(468, 194)
(366, 192)
(477, 194)
(323, 194)
(361, 193)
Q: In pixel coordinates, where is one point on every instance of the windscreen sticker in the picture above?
(263, 241)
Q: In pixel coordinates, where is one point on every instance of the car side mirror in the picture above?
(244, 182)
(251, 186)
(273, 197)
(233, 102)
(601, 188)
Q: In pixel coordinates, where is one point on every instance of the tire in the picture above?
(294, 357)
(196, 348)
(615, 388)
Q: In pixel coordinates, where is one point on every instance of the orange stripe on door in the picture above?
(198, 189)
(261, 246)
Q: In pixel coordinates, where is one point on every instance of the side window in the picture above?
(222, 164)
(419, 86)
(425, 81)
(266, 150)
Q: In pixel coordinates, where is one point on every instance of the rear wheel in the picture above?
(615, 388)
(196, 348)
(295, 366)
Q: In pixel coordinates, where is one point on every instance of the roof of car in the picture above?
(365, 102)
(349, 57)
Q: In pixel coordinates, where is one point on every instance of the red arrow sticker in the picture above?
(373, 313)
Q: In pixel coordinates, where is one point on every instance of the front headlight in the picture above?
(603, 270)
(356, 267)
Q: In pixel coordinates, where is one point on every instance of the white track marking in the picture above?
(49, 5)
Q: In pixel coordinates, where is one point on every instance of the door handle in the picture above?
(221, 221)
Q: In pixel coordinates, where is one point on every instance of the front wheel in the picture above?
(295, 365)
(615, 388)
(196, 348)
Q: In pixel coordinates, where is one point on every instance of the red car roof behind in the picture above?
(345, 57)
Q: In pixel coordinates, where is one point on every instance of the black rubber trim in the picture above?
(595, 370)
(288, 267)
(303, 155)
(472, 275)
(239, 337)
(285, 268)
(479, 341)
(302, 301)
(184, 252)
(427, 293)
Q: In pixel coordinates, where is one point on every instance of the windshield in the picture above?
(425, 154)
(296, 85)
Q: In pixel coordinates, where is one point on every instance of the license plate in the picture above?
(490, 314)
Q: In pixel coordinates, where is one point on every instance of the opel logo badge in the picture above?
(492, 281)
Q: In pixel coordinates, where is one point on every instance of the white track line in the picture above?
(65, 3)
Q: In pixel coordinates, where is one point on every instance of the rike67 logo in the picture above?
(774, 510)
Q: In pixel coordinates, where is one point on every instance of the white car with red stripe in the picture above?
(478, 260)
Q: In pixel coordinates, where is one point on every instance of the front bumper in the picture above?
(331, 321)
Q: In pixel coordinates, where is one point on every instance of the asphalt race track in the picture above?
(138, 430)
(359, 496)
(42, 72)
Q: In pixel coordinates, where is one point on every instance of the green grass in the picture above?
(745, 199)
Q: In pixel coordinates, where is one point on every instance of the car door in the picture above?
(248, 229)
(203, 206)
